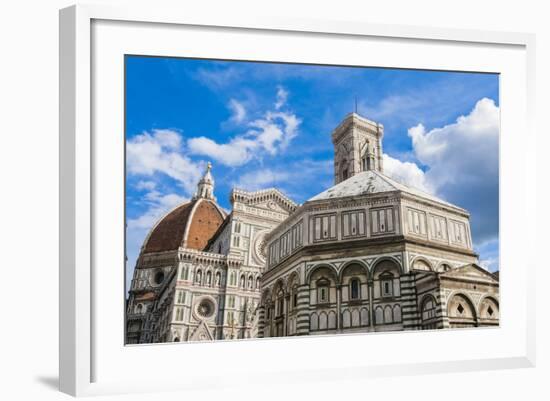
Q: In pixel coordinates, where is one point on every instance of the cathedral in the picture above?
(368, 254)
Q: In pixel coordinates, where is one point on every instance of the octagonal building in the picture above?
(372, 254)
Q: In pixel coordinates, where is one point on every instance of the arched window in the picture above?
(209, 278)
(323, 291)
(139, 308)
(257, 283)
(354, 288)
(280, 303)
(243, 281)
(198, 277)
(250, 282)
(218, 279)
(386, 284)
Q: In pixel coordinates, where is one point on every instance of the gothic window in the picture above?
(198, 277)
(181, 297)
(209, 278)
(218, 279)
(250, 282)
(236, 241)
(386, 284)
(237, 227)
(139, 308)
(354, 288)
(243, 279)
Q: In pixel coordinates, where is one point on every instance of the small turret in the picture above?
(205, 187)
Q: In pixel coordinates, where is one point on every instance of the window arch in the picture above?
(461, 312)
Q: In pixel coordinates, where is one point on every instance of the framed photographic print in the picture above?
(237, 191)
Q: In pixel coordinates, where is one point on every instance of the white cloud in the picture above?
(261, 179)
(406, 172)
(145, 185)
(282, 96)
(462, 160)
(238, 111)
(269, 134)
(159, 151)
(217, 78)
(490, 264)
(284, 177)
(235, 153)
(159, 204)
(462, 166)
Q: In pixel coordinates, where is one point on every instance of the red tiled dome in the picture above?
(189, 225)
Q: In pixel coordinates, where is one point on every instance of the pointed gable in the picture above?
(270, 199)
(470, 271)
(202, 333)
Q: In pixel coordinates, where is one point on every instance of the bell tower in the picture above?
(357, 147)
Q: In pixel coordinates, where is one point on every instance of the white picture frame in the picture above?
(89, 354)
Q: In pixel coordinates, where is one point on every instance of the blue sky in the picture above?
(268, 125)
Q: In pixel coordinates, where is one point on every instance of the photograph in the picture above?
(269, 199)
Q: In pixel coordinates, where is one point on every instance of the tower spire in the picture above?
(205, 187)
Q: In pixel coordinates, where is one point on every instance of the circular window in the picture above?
(159, 277)
(260, 246)
(205, 308)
